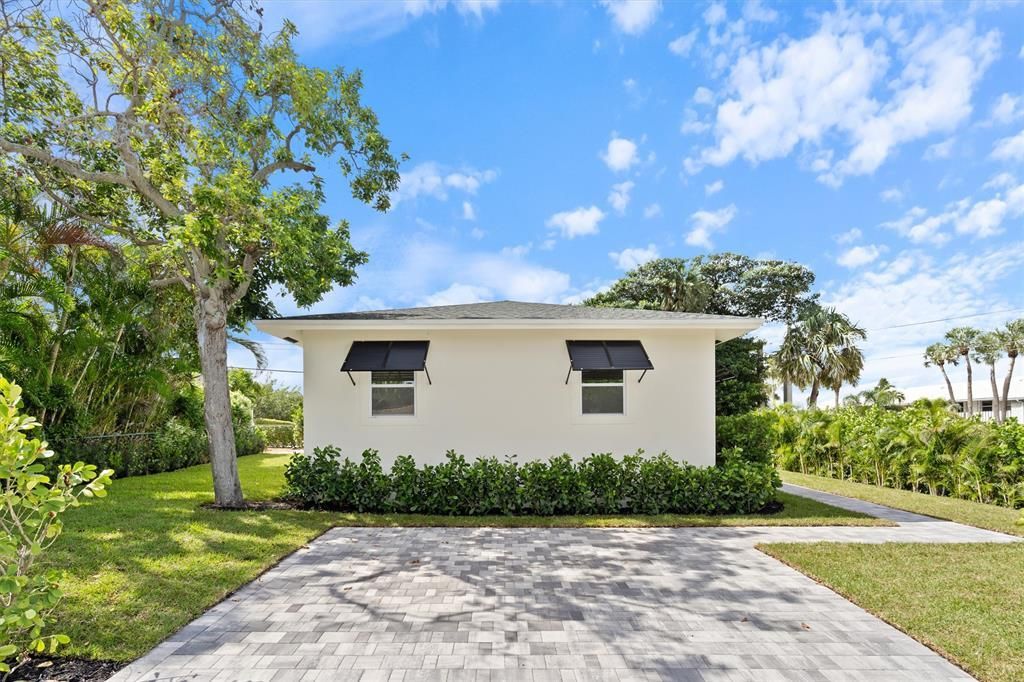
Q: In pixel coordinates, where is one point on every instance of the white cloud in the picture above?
(578, 222)
(892, 194)
(692, 125)
(703, 95)
(477, 233)
(836, 87)
(850, 236)
(754, 11)
(627, 259)
(981, 219)
(468, 212)
(939, 150)
(715, 14)
(652, 211)
(457, 293)
(620, 154)
(917, 287)
(431, 179)
(682, 45)
(1007, 109)
(859, 256)
(619, 196)
(706, 223)
(519, 250)
(632, 17)
(714, 188)
(360, 20)
(1010, 148)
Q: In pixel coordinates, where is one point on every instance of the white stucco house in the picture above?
(982, 392)
(530, 379)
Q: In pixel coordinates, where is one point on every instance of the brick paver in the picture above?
(553, 604)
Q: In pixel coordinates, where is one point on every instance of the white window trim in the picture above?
(603, 415)
(392, 417)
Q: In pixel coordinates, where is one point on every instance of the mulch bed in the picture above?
(65, 670)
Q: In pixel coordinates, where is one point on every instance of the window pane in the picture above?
(602, 376)
(388, 401)
(391, 377)
(602, 400)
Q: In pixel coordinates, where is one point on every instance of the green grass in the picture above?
(966, 601)
(149, 558)
(990, 516)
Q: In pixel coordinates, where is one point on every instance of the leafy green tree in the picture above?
(820, 349)
(884, 394)
(32, 504)
(940, 355)
(963, 341)
(723, 284)
(174, 141)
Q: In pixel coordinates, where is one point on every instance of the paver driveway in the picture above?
(553, 604)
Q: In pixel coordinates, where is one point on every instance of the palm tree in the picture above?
(1012, 340)
(884, 394)
(940, 355)
(963, 340)
(684, 290)
(820, 350)
(989, 349)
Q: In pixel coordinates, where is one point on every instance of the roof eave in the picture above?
(724, 328)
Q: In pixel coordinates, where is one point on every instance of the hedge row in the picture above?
(598, 484)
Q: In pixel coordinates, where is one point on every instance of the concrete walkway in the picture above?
(554, 604)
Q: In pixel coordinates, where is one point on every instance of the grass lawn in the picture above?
(144, 561)
(988, 516)
(966, 601)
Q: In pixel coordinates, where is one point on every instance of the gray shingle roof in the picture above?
(512, 310)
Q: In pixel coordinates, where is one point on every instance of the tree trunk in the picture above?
(787, 392)
(949, 384)
(1006, 386)
(997, 413)
(837, 398)
(970, 386)
(211, 314)
(812, 399)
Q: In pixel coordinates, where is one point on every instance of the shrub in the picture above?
(29, 523)
(248, 438)
(926, 447)
(599, 484)
(178, 445)
(753, 433)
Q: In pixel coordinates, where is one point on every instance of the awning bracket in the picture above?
(427, 372)
(350, 378)
(568, 375)
(642, 376)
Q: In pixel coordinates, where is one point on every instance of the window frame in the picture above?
(412, 385)
(583, 387)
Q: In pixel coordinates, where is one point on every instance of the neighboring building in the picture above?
(982, 393)
(529, 379)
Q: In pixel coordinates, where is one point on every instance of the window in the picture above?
(603, 391)
(392, 393)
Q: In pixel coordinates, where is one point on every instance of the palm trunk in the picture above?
(949, 384)
(997, 413)
(787, 392)
(970, 386)
(1006, 386)
(837, 398)
(812, 399)
(211, 313)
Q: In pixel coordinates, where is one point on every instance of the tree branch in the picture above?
(263, 173)
(70, 167)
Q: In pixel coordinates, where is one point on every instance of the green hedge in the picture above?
(598, 484)
(752, 433)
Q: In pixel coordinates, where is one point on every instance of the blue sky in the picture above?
(554, 145)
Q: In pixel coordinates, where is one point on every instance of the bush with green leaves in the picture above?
(927, 447)
(753, 433)
(598, 484)
(30, 511)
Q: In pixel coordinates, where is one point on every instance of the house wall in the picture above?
(502, 392)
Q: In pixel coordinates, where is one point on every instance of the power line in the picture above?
(946, 319)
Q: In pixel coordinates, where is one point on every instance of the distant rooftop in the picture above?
(513, 310)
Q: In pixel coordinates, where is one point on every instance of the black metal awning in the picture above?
(589, 355)
(386, 356)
